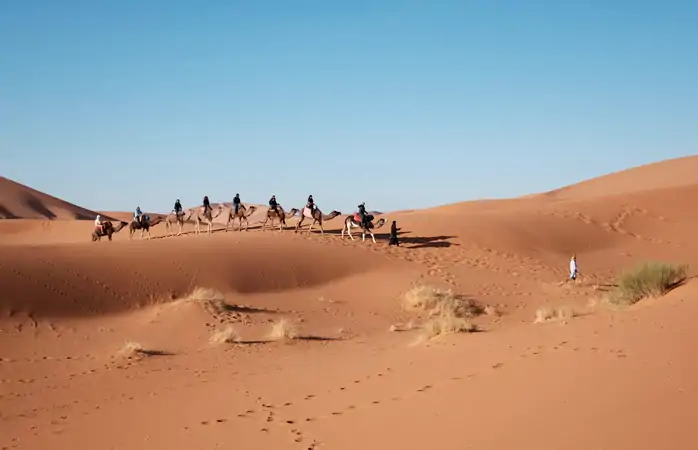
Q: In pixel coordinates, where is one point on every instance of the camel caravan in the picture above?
(206, 214)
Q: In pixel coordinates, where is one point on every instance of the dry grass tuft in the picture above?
(283, 329)
(402, 326)
(433, 301)
(555, 314)
(225, 336)
(447, 312)
(648, 280)
(211, 299)
(446, 323)
(132, 350)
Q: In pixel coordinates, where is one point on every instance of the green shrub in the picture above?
(651, 279)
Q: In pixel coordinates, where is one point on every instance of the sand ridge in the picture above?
(303, 340)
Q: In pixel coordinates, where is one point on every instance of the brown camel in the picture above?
(317, 217)
(107, 230)
(173, 218)
(280, 215)
(143, 225)
(205, 216)
(240, 215)
(353, 221)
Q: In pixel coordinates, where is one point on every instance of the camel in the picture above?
(240, 215)
(173, 218)
(201, 216)
(354, 221)
(278, 214)
(317, 217)
(107, 230)
(144, 225)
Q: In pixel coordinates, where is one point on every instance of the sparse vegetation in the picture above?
(652, 279)
(555, 314)
(433, 301)
(135, 350)
(447, 322)
(447, 312)
(210, 299)
(283, 329)
(224, 336)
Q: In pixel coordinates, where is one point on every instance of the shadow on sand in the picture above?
(306, 337)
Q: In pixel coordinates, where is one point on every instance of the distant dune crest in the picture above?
(18, 201)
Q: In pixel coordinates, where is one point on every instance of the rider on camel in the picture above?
(273, 204)
(177, 208)
(311, 204)
(137, 216)
(99, 226)
(207, 204)
(363, 214)
(236, 203)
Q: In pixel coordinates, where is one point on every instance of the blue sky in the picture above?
(401, 104)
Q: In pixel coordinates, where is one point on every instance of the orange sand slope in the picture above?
(275, 340)
(21, 202)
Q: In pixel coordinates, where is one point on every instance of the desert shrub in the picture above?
(283, 329)
(652, 279)
(225, 335)
(210, 299)
(447, 312)
(433, 300)
(554, 314)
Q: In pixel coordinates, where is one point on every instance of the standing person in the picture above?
(236, 203)
(573, 268)
(393, 234)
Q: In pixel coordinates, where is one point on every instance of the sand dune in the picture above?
(18, 201)
(283, 340)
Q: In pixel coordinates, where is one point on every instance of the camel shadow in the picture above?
(427, 241)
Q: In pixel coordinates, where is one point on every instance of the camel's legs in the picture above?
(373, 237)
(349, 231)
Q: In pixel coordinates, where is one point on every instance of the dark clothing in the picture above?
(393, 235)
(236, 204)
(311, 204)
(178, 207)
(273, 204)
(363, 215)
(206, 203)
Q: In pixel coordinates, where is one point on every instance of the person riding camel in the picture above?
(207, 204)
(178, 208)
(363, 215)
(236, 203)
(311, 204)
(273, 204)
(99, 225)
(138, 215)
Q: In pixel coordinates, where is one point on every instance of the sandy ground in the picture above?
(604, 379)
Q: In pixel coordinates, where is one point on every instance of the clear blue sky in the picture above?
(401, 104)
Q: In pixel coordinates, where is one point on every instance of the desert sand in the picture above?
(276, 340)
